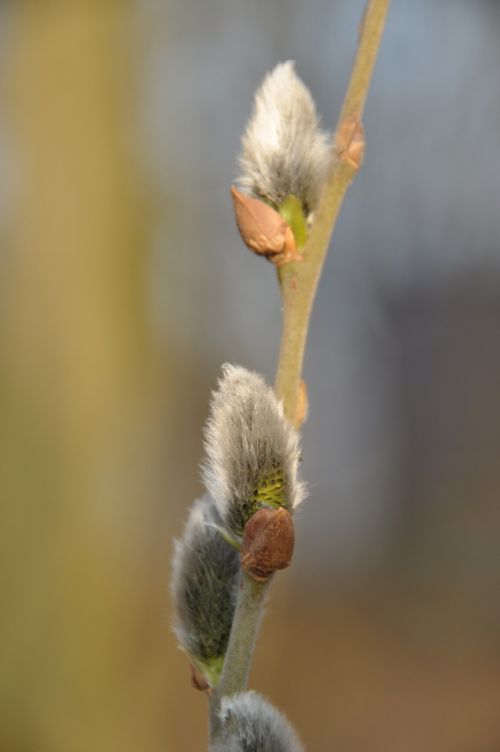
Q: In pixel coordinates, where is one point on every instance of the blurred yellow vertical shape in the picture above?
(83, 627)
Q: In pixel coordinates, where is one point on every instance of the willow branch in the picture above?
(298, 282)
(299, 279)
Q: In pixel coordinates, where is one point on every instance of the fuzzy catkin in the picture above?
(205, 573)
(251, 724)
(283, 150)
(252, 450)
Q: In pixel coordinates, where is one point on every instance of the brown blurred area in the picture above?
(84, 401)
(123, 287)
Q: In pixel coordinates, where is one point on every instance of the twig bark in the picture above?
(299, 279)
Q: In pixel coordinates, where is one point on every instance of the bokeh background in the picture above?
(124, 286)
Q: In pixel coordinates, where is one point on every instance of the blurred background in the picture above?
(124, 286)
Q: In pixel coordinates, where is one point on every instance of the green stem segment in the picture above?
(247, 618)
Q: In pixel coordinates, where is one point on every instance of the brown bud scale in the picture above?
(198, 681)
(263, 229)
(268, 542)
(350, 142)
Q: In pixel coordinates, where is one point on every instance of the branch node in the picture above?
(350, 142)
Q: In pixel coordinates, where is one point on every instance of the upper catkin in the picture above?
(205, 572)
(283, 150)
(252, 450)
(251, 724)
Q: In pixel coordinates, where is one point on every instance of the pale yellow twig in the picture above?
(299, 279)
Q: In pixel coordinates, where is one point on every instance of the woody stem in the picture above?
(299, 279)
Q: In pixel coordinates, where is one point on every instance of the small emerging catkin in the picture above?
(205, 574)
(283, 150)
(251, 724)
(252, 450)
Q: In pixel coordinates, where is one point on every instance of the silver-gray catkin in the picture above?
(251, 724)
(252, 450)
(205, 575)
(283, 150)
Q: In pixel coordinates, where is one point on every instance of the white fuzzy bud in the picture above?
(205, 575)
(252, 450)
(284, 152)
(249, 722)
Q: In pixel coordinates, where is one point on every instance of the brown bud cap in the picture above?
(268, 542)
(263, 229)
(198, 681)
